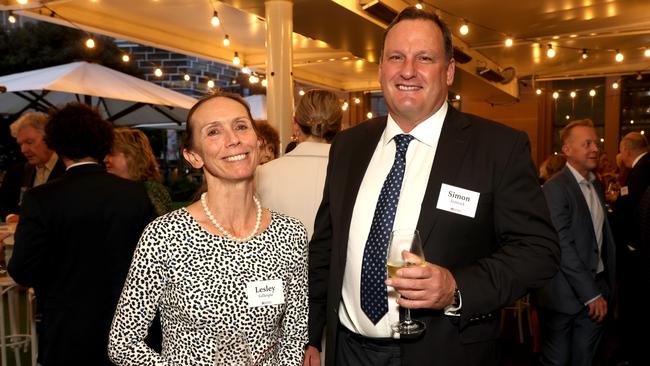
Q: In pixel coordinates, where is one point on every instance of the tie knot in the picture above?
(402, 142)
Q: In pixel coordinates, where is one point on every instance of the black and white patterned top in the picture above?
(198, 281)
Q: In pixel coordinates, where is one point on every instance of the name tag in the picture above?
(625, 191)
(265, 293)
(458, 200)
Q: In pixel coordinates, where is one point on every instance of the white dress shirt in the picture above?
(419, 160)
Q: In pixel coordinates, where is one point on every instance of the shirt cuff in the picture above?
(594, 299)
(454, 309)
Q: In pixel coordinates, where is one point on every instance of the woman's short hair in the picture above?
(268, 135)
(37, 120)
(77, 131)
(188, 141)
(319, 114)
(140, 160)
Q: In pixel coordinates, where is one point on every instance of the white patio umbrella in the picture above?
(121, 98)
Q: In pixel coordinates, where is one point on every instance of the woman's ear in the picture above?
(193, 158)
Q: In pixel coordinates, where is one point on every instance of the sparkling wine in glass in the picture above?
(405, 250)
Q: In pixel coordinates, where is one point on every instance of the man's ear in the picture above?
(193, 158)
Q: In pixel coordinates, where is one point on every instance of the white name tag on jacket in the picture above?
(265, 293)
(458, 200)
(625, 191)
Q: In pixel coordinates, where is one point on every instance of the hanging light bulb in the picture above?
(210, 84)
(464, 29)
(585, 55)
(509, 42)
(592, 93)
(246, 70)
(301, 92)
(158, 72)
(226, 40)
(457, 96)
(646, 53)
(90, 42)
(236, 60)
(556, 95)
(572, 94)
(265, 83)
(619, 56)
(419, 5)
(369, 115)
(11, 18)
(615, 85)
(253, 79)
(345, 106)
(538, 91)
(186, 77)
(22, 2)
(550, 52)
(215, 19)
(357, 100)
(126, 58)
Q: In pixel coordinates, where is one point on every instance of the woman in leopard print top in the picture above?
(228, 277)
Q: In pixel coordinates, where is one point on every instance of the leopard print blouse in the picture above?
(198, 281)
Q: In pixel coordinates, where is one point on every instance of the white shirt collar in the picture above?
(579, 176)
(637, 159)
(80, 163)
(425, 132)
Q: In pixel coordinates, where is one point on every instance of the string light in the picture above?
(592, 93)
(631, 121)
(369, 115)
(265, 83)
(550, 52)
(158, 72)
(236, 60)
(615, 85)
(464, 29)
(345, 106)
(357, 100)
(509, 42)
(226, 40)
(210, 84)
(619, 56)
(22, 2)
(253, 79)
(567, 117)
(646, 53)
(585, 55)
(301, 92)
(538, 91)
(11, 18)
(457, 96)
(246, 70)
(556, 95)
(572, 94)
(186, 77)
(215, 19)
(419, 5)
(126, 58)
(602, 139)
(90, 43)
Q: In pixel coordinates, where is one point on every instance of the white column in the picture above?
(279, 58)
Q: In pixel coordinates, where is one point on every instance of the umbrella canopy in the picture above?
(115, 93)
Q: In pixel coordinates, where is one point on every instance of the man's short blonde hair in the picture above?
(566, 131)
(36, 120)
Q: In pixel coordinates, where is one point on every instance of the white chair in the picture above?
(22, 328)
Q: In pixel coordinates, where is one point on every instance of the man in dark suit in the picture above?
(42, 163)
(467, 184)
(574, 304)
(75, 240)
(635, 275)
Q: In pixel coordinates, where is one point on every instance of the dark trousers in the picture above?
(355, 350)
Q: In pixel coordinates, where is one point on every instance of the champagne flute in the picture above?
(405, 250)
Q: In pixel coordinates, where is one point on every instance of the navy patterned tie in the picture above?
(374, 298)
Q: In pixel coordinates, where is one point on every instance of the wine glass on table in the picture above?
(405, 250)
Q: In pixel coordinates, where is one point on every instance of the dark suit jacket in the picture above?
(74, 244)
(575, 283)
(18, 178)
(509, 247)
(626, 208)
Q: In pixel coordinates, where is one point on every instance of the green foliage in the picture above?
(36, 45)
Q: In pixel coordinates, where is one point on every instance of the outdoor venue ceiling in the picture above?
(337, 43)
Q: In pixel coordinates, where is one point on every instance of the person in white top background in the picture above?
(293, 184)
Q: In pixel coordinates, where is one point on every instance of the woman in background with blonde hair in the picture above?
(132, 158)
(293, 184)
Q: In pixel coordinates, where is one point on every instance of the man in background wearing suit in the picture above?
(42, 163)
(635, 274)
(467, 184)
(75, 240)
(574, 304)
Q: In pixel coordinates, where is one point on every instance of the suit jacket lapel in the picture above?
(359, 159)
(452, 146)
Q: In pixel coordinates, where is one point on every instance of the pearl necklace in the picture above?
(258, 220)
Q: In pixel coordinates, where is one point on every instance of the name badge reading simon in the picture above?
(265, 293)
(458, 200)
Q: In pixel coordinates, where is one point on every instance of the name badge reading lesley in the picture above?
(265, 293)
(458, 200)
